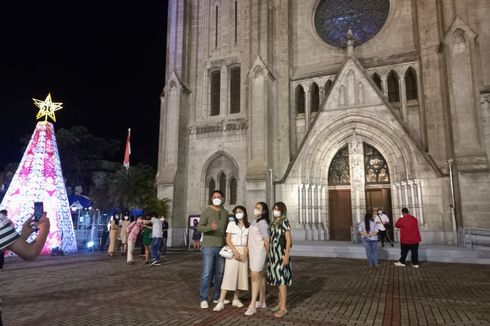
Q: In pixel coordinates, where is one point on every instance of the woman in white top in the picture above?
(258, 246)
(236, 269)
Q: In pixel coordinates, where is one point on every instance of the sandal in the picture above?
(282, 311)
(276, 308)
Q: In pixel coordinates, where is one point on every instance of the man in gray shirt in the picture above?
(156, 241)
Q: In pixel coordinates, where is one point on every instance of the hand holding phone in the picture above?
(38, 210)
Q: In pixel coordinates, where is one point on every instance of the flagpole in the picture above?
(127, 151)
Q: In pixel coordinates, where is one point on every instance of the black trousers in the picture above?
(414, 249)
(384, 235)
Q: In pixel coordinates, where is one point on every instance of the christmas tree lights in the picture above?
(39, 178)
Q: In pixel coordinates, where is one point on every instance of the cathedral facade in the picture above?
(333, 107)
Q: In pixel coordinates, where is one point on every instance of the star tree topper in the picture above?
(47, 108)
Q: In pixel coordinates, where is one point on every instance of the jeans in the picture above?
(164, 246)
(414, 248)
(155, 249)
(212, 263)
(371, 251)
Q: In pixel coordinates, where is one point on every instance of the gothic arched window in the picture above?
(300, 99)
(393, 88)
(375, 166)
(223, 171)
(235, 89)
(377, 81)
(233, 191)
(215, 91)
(327, 87)
(222, 183)
(211, 188)
(411, 84)
(314, 97)
(338, 172)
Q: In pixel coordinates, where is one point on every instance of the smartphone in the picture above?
(38, 210)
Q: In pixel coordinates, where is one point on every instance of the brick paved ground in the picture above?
(93, 289)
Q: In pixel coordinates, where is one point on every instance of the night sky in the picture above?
(103, 59)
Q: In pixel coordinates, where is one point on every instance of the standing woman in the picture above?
(258, 246)
(279, 268)
(133, 230)
(113, 232)
(123, 234)
(147, 229)
(236, 269)
(196, 236)
(369, 236)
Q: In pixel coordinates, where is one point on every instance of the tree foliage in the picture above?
(79, 152)
(135, 188)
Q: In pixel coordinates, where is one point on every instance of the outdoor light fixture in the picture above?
(90, 244)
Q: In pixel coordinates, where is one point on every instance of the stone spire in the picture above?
(350, 43)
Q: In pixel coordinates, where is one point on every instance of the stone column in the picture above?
(384, 82)
(356, 162)
(403, 98)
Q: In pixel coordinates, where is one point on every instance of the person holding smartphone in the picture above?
(17, 243)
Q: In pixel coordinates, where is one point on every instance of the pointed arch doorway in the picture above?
(358, 182)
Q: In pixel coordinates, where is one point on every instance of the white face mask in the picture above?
(277, 213)
(239, 216)
(162, 219)
(216, 201)
(126, 217)
(257, 212)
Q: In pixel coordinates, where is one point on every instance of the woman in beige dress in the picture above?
(258, 246)
(236, 269)
(113, 232)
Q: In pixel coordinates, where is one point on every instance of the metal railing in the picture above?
(471, 237)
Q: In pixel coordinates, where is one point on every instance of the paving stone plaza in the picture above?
(93, 289)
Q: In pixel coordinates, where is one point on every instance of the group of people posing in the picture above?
(375, 228)
(151, 230)
(261, 246)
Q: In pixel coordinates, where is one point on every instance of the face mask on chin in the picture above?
(217, 201)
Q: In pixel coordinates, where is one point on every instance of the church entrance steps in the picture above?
(429, 253)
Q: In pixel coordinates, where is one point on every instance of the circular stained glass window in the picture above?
(365, 17)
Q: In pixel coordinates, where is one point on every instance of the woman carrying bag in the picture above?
(236, 268)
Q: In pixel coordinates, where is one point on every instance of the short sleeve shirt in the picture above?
(157, 228)
(263, 228)
(372, 227)
(8, 235)
(239, 235)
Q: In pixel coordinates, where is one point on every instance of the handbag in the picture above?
(226, 252)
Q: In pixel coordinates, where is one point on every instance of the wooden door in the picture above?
(340, 213)
(376, 198)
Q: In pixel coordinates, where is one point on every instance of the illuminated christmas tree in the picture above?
(39, 178)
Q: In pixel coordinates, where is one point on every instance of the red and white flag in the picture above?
(127, 152)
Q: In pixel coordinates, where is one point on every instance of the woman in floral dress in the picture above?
(279, 268)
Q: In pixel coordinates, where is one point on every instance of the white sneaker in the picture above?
(219, 307)
(237, 303)
(397, 263)
(226, 301)
(204, 305)
(258, 305)
(416, 266)
(250, 311)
